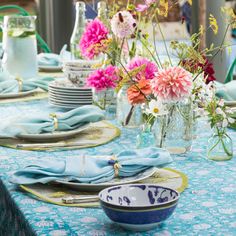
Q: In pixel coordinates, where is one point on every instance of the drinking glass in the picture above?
(19, 46)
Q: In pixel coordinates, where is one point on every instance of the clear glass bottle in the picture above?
(174, 130)
(220, 146)
(78, 30)
(127, 115)
(102, 11)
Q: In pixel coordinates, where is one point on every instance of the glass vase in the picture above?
(220, 146)
(145, 138)
(127, 115)
(174, 130)
(106, 100)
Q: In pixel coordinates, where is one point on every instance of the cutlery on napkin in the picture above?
(48, 123)
(92, 169)
(10, 84)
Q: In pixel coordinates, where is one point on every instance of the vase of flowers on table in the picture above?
(181, 86)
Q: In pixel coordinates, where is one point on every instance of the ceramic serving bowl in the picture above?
(138, 207)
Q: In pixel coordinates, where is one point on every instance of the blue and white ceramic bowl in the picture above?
(138, 207)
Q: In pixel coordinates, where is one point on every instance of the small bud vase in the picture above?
(106, 100)
(220, 146)
(145, 138)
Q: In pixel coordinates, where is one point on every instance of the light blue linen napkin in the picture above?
(49, 59)
(8, 84)
(44, 123)
(92, 169)
(226, 91)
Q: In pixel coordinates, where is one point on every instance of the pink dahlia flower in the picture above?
(148, 72)
(102, 79)
(145, 6)
(172, 84)
(123, 24)
(92, 40)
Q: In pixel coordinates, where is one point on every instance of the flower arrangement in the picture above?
(149, 81)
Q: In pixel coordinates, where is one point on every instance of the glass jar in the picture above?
(127, 115)
(174, 130)
(145, 138)
(106, 100)
(220, 146)
(20, 46)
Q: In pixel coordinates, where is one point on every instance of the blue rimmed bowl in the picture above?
(138, 207)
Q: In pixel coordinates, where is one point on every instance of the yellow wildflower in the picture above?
(213, 24)
(231, 14)
(163, 8)
(190, 2)
(201, 30)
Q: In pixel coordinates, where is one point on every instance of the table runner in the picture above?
(207, 207)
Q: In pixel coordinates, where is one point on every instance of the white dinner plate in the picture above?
(57, 135)
(18, 95)
(74, 97)
(71, 101)
(66, 106)
(116, 181)
(50, 68)
(68, 92)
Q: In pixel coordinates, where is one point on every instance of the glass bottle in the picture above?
(127, 115)
(20, 46)
(102, 11)
(220, 146)
(78, 30)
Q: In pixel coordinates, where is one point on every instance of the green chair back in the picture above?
(230, 74)
(42, 44)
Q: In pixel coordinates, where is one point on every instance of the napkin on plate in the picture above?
(49, 59)
(226, 91)
(9, 84)
(44, 123)
(52, 59)
(92, 169)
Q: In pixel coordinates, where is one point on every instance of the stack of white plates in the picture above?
(65, 94)
(78, 70)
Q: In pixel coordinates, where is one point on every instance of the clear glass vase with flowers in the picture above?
(220, 146)
(103, 82)
(174, 129)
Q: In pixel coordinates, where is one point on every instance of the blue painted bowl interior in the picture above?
(138, 195)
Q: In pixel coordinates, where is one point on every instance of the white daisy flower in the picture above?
(225, 123)
(155, 107)
(221, 102)
(123, 24)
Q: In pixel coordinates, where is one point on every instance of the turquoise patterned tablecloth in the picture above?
(207, 207)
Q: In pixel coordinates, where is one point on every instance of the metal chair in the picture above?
(42, 44)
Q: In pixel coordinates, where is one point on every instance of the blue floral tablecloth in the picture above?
(207, 207)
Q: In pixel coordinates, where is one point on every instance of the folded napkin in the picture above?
(10, 84)
(226, 91)
(52, 59)
(44, 122)
(49, 59)
(92, 169)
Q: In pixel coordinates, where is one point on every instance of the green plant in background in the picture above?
(42, 44)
